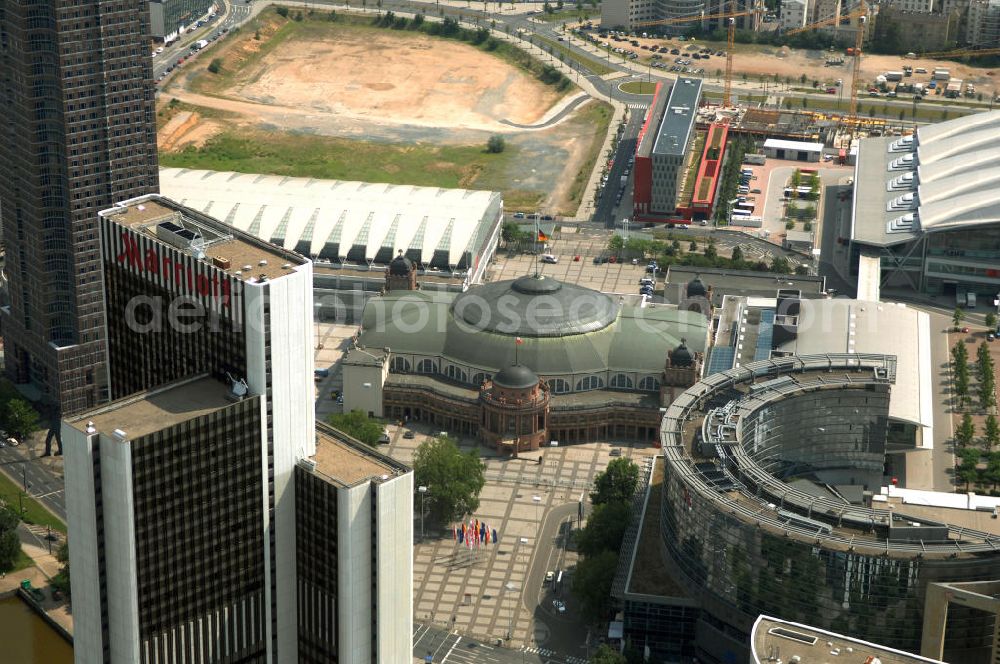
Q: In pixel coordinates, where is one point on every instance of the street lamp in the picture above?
(423, 491)
(510, 586)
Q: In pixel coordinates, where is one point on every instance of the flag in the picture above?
(483, 533)
(461, 536)
(495, 538)
(542, 237)
(454, 533)
(518, 341)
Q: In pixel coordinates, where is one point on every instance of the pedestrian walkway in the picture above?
(637, 107)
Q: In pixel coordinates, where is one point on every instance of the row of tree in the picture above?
(672, 253)
(599, 542)
(985, 370)
(10, 543)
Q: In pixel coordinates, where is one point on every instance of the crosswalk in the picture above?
(638, 106)
(549, 653)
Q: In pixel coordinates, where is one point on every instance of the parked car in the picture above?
(559, 606)
(549, 258)
(409, 435)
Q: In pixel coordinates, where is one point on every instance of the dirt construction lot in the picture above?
(344, 80)
(419, 80)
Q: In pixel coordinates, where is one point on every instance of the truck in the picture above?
(894, 76)
(941, 74)
(954, 88)
(755, 159)
(200, 44)
(970, 300)
(624, 180)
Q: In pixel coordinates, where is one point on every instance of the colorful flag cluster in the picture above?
(475, 533)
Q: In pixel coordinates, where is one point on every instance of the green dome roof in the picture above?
(516, 376)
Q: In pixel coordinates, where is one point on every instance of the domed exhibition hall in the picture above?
(522, 363)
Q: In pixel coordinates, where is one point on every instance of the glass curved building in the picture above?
(753, 519)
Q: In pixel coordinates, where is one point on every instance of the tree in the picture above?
(20, 420)
(282, 11)
(781, 265)
(693, 246)
(453, 478)
(617, 483)
(605, 528)
(738, 253)
(607, 655)
(991, 433)
(991, 321)
(616, 243)
(592, 584)
(358, 425)
(957, 317)
(10, 543)
(61, 580)
(965, 432)
(710, 250)
(496, 144)
(215, 66)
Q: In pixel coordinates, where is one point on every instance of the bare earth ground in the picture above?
(416, 80)
(395, 87)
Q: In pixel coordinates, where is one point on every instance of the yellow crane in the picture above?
(861, 14)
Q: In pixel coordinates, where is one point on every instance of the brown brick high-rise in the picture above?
(77, 133)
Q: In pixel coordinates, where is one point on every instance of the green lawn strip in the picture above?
(324, 157)
(569, 15)
(638, 87)
(594, 65)
(34, 512)
(596, 117)
(692, 169)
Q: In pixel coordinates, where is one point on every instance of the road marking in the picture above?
(458, 639)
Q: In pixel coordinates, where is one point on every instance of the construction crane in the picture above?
(861, 14)
(730, 40)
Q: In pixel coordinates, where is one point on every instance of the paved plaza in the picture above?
(497, 589)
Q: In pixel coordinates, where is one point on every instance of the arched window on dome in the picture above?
(621, 382)
(589, 383)
(480, 378)
(457, 374)
(427, 366)
(649, 384)
(558, 386)
(399, 365)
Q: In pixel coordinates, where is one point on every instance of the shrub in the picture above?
(496, 144)
(282, 11)
(215, 66)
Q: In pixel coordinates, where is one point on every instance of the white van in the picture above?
(970, 300)
(549, 258)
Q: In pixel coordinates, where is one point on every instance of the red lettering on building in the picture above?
(184, 277)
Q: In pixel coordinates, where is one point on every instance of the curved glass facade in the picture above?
(747, 543)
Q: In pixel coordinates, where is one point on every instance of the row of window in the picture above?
(618, 381)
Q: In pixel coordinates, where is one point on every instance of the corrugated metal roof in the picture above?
(336, 219)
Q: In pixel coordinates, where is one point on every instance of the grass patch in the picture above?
(596, 116)
(692, 167)
(302, 155)
(34, 513)
(564, 53)
(22, 562)
(744, 98)
(569, 16)
(638, 87)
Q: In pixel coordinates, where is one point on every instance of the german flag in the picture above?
(542, 237)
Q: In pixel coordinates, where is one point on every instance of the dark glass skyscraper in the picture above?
(77, 133)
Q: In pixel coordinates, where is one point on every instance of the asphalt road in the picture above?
(609, 212)
(443, 647)
(43, 485)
